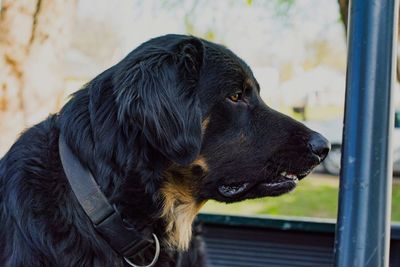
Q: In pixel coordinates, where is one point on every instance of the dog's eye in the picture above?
(236, 97)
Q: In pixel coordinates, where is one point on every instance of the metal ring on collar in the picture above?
(157, 243)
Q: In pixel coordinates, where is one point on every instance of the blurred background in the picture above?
(296, 49)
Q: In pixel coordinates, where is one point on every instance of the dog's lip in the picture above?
(280, 186)
(283, 183)
(233, 190)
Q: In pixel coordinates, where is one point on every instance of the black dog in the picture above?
(177, 122)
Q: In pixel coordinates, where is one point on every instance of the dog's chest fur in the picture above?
(180, 206)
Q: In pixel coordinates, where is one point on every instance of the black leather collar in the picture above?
(125, 240)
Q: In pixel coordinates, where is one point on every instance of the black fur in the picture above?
(129, 126)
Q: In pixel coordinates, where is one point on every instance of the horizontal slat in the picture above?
(249, 245)
(234, 241)
(237, 247)
(308, 256)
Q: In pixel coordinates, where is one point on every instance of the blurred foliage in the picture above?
(281, 8)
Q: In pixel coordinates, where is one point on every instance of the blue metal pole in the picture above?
(363, 228)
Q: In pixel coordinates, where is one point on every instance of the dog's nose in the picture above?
(319, 145)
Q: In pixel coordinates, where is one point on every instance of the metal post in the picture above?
(363, 229)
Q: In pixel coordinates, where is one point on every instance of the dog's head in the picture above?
(197, 109)
(199, 105)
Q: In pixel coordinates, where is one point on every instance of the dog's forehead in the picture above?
(222, 59)
(251, 82)
(218, 54)
(218, 60)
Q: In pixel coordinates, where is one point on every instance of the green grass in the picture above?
(396, 202)
(316, 196)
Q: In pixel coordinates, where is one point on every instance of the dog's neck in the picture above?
(124, 167)
(180, 205)
(167, 203)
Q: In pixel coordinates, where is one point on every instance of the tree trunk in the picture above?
(34, 35)
(398, 50)
(344, 10)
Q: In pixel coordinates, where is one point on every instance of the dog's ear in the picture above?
(157, 91)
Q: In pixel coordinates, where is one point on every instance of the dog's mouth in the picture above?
(283, 183)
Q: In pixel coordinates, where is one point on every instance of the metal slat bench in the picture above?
(237, 241)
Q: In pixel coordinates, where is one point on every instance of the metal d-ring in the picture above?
(151, 264)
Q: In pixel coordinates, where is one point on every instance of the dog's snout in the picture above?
(319, 145)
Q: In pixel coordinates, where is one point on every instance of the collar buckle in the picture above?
(156, 255)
